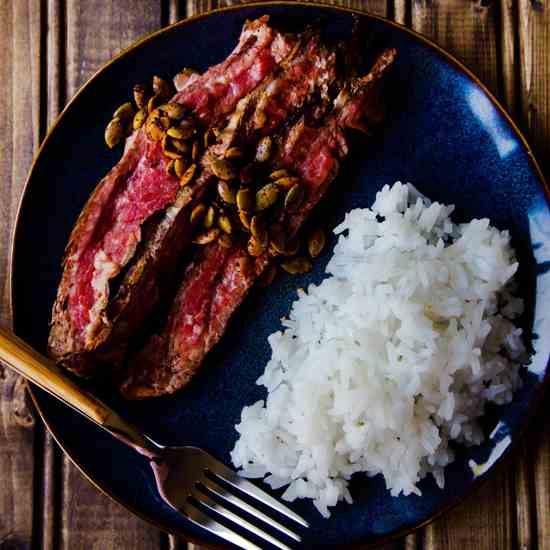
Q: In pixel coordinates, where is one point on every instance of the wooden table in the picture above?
(48, 48)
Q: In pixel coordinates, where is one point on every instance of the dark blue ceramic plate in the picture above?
(444, 133)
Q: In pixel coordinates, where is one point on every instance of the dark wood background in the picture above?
(48, 49)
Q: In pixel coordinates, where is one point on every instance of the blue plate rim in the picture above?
(540, 392)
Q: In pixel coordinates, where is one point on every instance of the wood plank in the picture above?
(378, 7)
(469, 30)
(534, 45)
(96, 30)
(466, 29)
(19, 128)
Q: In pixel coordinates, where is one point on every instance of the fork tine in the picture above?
(194, 515)
(251, 490)
(225, 495)
(214, 506)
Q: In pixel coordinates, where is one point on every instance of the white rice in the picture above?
(392, 356)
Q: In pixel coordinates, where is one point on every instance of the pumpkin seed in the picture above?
(294, 197)
(316, 242)
(174, 110)
(207, 236)
(297, 265)
(170, 167)
(233, 153)
(266, 278)
(224, 224)
(176, 133)
(186, 129)
(198, 213)
(287, 182)
(245, 200)
(244, 263)
(282, 173)
(225, 240)
(277, 239)
(188, 175)
(125, 111)
(263, 151)
(180, 146)
(162, 88)
(168, 150)
(267, 196)
(259, 230)
(254, 247)
(209, 218)
(140, 95)
(216, 131)
(139, 118)
(179, 167)
(195, 151)
(226, 193)
(153, 103)
(114, 132)
(222, 169)
(244, 219)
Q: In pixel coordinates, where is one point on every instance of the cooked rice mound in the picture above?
(393, 355)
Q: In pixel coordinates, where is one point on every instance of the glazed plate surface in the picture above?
(443, 133)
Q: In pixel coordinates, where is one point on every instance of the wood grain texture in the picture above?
(96, 30)
(466, 29)
(534, 53)
(19, 128)
(469, 30)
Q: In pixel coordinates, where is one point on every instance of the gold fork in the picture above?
(188, 479)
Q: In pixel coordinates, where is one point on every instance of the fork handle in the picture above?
(43, 372)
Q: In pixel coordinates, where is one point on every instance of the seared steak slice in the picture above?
(109, 229)
(305, 74)
(217, 281)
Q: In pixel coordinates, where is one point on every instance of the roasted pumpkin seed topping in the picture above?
(255, 247)
(224, 223)
(245, 200)
(139, 118)
(198, 213)
(277, 239)
(124, 112)
(195, 151)
(222, 169)
(287, 182)
(188, 175)
(294, 198)
(267, 196)
(226, 193)
(316, 242)
(209, 218)
(282, 173)
(179, 167)
(114, 132)
(174, 110)
(297, 265)
(244, 218)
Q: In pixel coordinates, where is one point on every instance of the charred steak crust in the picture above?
(216, 283)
